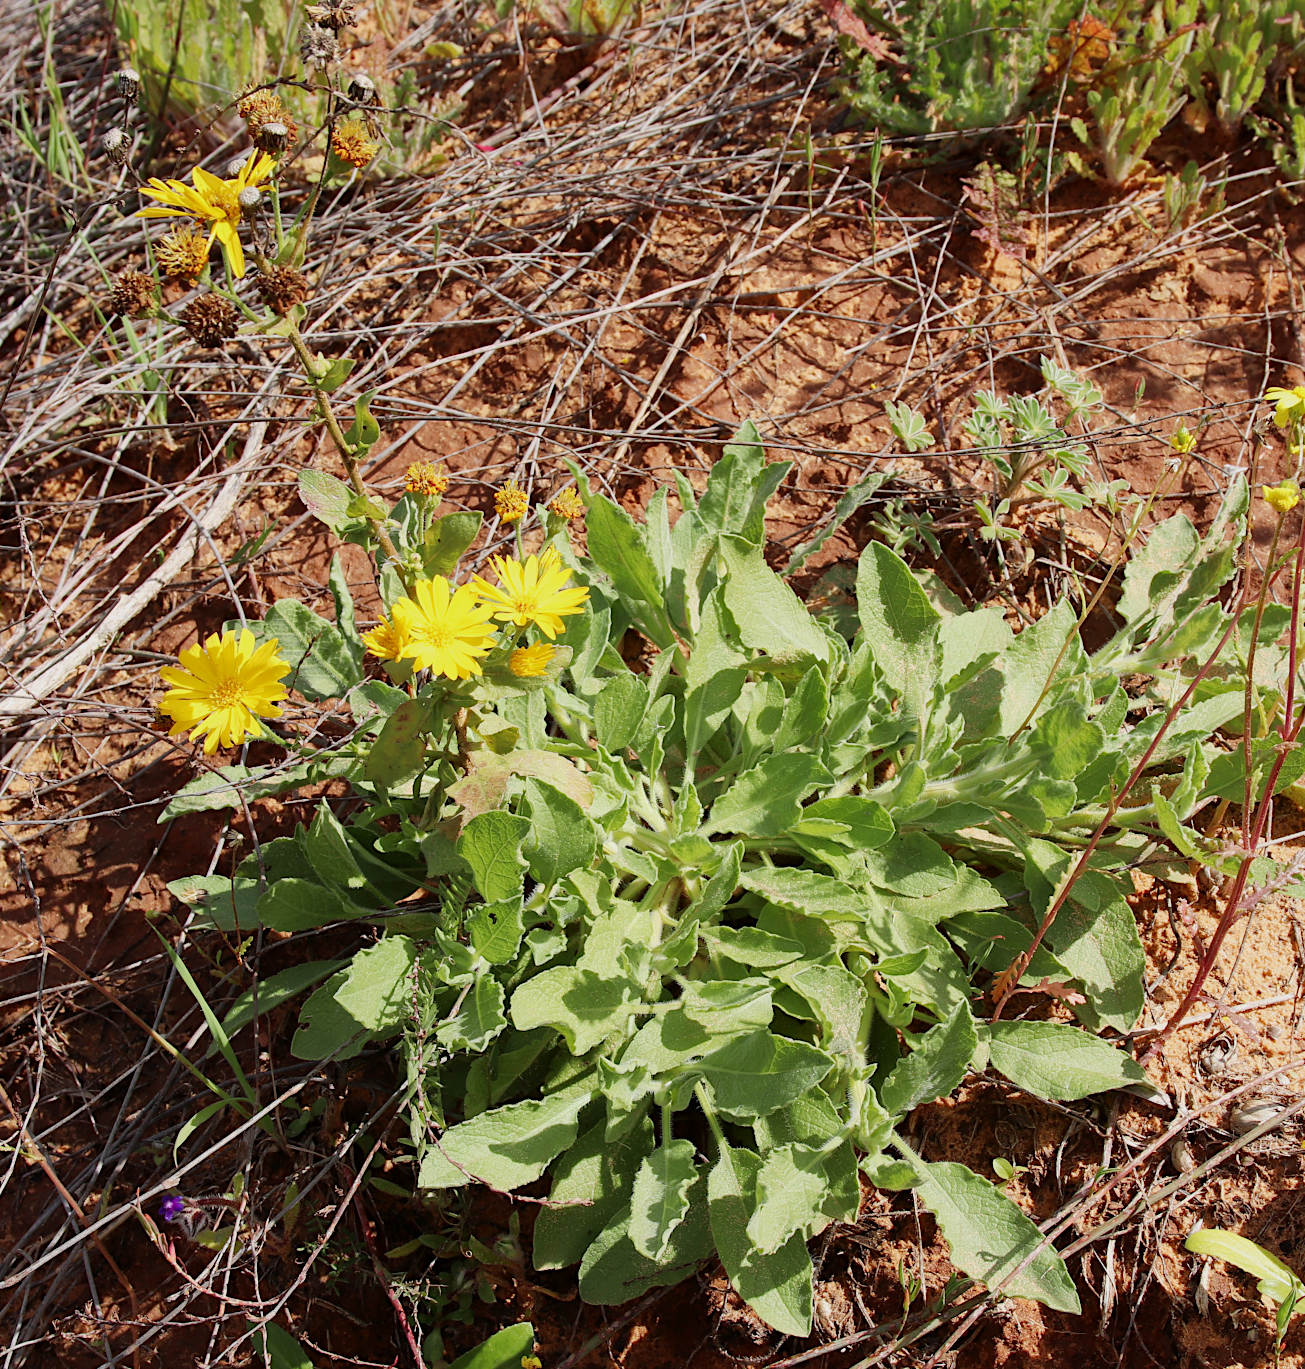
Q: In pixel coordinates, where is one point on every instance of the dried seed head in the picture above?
(349, 142)
(272, 137)
(210, 320)
(318, 45)
(128, 82)
(116, 145)
(362, 89)
(281, 288)
(333, 14)
(237, 164)
(182, 254)
(133, 295)
(262, 108)
(250, 198)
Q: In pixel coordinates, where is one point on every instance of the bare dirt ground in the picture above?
(647, 253)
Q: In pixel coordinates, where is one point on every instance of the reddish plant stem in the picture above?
(1233, 899)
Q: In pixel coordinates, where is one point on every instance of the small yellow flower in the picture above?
(1289, 404)
(444, 630)
(568, 504)
(1282, 497)
(349, 142)
(511, 502)
(212, 201)
(220, 688)
(527, 662)
(424, 477)
(531, 1362)
(1182, 441)
(182, 254)
(384, 641)
(533, 592)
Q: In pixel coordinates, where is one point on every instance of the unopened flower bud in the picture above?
(128, 82)
(236, 165)
(272, 138)
(116, 146)
(362, 89)
(250, 198)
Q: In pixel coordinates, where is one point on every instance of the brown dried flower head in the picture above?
(318, 45)
(281, 288)
(210, 320)
(182, 254)
(567, 504)
(333, 14)
(424, 477)
(262, 107)
(349, 142)
(133, 295)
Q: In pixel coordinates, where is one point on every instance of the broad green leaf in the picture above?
(397, 752)
(491, 844)
(837, 1000)
(482, 789)
(324, 663)
(505, 1349)
(364, 432)
(617, 547)
(777, 1286)
(898, 621)
(495, 930)
(990, 1236)
(751, 947)
(754, 1074)
(1276, 1281)
(591, 1183)
(508, 1146)
(935, 1067)
(331, 855)
(613, 1271)
(300, 905)
(1055, 1060)
(618, 710)
(913, 864)
(1027, 664)
(478, 1019)
(807, 891)
(446, 540)
(234, 786)
(659, 1200)
(769, 616)
(992, 940)
(580, 1004)
(326, 1030)
(561, 837)
(765, 801)
(377, 987)
(868, 823)
(270, 993)
(792, 1190)
(738, 486)
(227, 904)
(279, 1349)
(325, 497)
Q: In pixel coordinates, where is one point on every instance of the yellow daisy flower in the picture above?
(182, 254)
(222, 687)
(511, 502)
(1290, 404)
(444, 630)
(424, 477)
(529, 661)
(1282, 498)
(212, 201)
(533, 592)
(384, 641)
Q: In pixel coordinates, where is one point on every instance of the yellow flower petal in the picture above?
(534, 592)
(221, 688)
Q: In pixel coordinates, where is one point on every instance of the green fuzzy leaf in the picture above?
(754, 1074)
(478, 1020)
(491, 845)
(508, 1146)
(619, 708)
(1275, 1280)
(738, 486)
(1057, 1061)
(617, 547)
(279, 1349)
(376, 990)
(752, 947)
(807, 891)
(300, 905)
(399, 749)
(505, 1349)
(613, 1271)
(990, 1237)
(270, 993)
(766, 800)
(769, 616)
(561, 838)
(591, 1183)
(324, 663)
(325, 497)
(837, 1001)
(777, 1286)
(585, 1007)
(898, 621)
(364, 432)
(935, 1067)
(794, 1194)
(659, 1199)
(446, 540)
(225, 904)
(495, 930)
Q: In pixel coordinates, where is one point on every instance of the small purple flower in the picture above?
(172, 1207)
